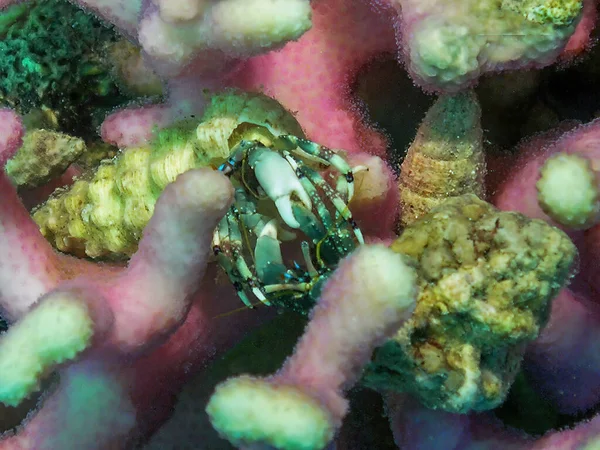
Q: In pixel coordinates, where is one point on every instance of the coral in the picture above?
(51, 57)
(312, 77)
(232, 27)
(416, 427)
(449, 43)
(302, 405)
(519, 191)
(582, 39)
(133, 330)
(555, 12)
(486, 281)
(130, 70)
(43, 156)
(446, 158)
(563, 362)
(196, 53)
(95, 152)
(315, 76)
(113, 392)
(568, 191)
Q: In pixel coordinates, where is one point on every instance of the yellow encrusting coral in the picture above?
(445, 159)
(104, 213)
(487, 279)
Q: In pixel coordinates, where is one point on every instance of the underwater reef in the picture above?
(299, 225)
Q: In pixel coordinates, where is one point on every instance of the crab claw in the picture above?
(279, 181)
(267, 254)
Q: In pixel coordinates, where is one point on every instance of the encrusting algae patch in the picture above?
(487, 278)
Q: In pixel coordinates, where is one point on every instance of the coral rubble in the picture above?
(486, 281)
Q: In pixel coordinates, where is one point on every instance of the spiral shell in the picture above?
(446, 158)
(103, 214)
(45, 154)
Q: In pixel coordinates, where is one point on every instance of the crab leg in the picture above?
(316, 152)
(344, 188)
(312, 271)
(227, 245)
(268, 260)
(236, 158)
(310, 227)
(300, 287)
(337, 201)
(267, 254)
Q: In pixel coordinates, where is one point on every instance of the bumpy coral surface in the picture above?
(104, 215)
(487, 278)
(450, 43)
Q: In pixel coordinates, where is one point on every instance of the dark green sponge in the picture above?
(51, 57)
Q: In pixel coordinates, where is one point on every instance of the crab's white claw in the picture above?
(284, 206)
(279, 181)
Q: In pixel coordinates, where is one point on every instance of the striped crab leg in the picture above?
(324, 155)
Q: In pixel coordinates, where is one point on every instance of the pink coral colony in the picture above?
(111, 345)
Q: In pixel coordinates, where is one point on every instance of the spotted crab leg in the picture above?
(324, 155)
(237, 156)
(336, 199)
(310, 223)
(228, 247)
(268, 258)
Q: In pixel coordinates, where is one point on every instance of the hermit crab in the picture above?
(281, 200)
(283, 171)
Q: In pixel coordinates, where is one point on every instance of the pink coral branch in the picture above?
(90, 409)
(418, 428)
(449, 44)
(28, 267)
(153, 295)
(564, 363)
(85, 319)
(354, 314)
(196, 51)
(519, 191)
(314, 76)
